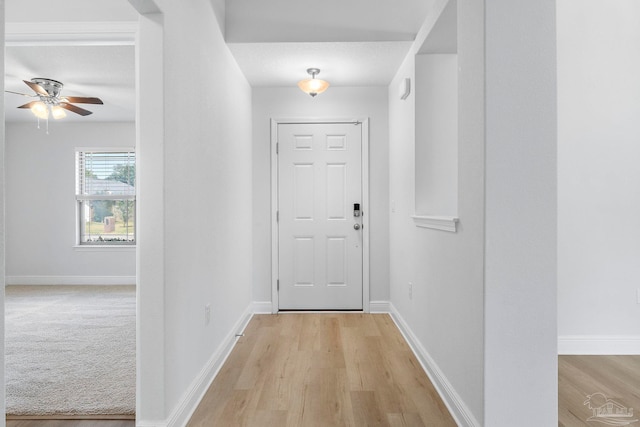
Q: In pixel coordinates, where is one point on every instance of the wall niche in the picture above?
(436, 125)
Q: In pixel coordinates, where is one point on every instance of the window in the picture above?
(106, 196)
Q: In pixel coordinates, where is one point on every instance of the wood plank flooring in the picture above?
(617, 377)
(357, 370)
(321, 370)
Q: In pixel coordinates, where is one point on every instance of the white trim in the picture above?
(192, 397)
(105, 149)
(104, 248)
(71, 33)
(365, 203)
(275, 301)
(70, 280)
(379, 307)
(444, 223)
(366, 214)
(459, 411)
(147, 423)
(599, 344)
(262, 307)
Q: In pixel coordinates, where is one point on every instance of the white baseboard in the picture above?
(143, 423)
(70, 280)
(459, 411)
(265, 307)
(262, 307)
(196, 391)
(599, 344)
(379, 307)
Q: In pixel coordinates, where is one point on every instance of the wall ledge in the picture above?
(104, 248)
(436, 222)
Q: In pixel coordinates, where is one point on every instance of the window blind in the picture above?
(105, 175)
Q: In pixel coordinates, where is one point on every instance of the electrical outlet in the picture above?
(410, 290)
(207, 314)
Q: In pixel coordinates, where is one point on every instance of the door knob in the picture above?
(356, 226)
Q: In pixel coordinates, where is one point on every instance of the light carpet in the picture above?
(70, 350)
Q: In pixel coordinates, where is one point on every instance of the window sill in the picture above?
(105, 248)
(444, 223)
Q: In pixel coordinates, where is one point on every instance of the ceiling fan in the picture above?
(48, 92)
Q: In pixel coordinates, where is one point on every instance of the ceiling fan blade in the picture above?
(75, 109)
(36, 88)
(29, 104)
(19, 93)
(82, 100)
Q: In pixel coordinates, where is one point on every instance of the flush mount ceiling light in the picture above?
(313, 86)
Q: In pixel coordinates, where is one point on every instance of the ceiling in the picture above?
(353, 42)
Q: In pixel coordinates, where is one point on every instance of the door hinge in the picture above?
(278, 285)
(277, 147)
(277, 216)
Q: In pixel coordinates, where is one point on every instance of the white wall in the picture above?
(445, 269)
(483, 311)
(436, 104)
(2, 226)
(336, 102)
(201, 164)
(598, 176)
(41, 207)
(521, 214)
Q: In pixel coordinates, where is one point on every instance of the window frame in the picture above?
(80, 199)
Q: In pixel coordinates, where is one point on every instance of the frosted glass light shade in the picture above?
(58, 112)
(313, 86)
(40, 110)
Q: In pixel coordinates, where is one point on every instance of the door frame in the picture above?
(274, 202)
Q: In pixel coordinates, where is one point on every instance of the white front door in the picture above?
(319, 227)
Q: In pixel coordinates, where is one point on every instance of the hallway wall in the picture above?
(336, 102)
(2, 226)
(482, 310)
(445, 307)
(198, 207)
(598, 176)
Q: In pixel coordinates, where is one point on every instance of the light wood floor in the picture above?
(355, 369)
(617, 377)
(321, 370)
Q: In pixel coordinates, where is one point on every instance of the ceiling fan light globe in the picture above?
(40, 110)
(58, 112)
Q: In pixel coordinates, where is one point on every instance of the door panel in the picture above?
(319, 250)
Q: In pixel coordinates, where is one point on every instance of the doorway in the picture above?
(320, 215)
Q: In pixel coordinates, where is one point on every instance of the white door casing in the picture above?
(320, 248)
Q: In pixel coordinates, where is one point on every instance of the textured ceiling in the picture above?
(327, 21)
(107, 72)
(341, 64)
(88, 45)
(353, 42)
